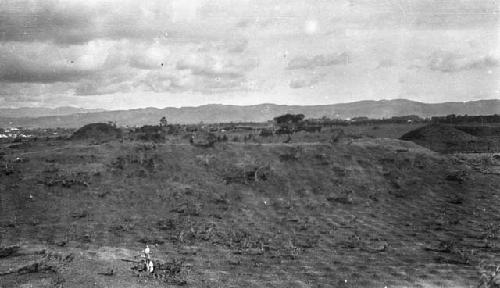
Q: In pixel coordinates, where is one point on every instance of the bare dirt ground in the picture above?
(365, 213)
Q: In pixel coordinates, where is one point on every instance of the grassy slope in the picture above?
(289, 230)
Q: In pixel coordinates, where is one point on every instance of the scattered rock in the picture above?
(190, 250)
(456, 200)
(345, 199)
(380, 246)
(79, 215)
(288, 157)
(167, 224)
(86, 238)
(149, 241)
(457, 176)
(108, 272)
(61, 243)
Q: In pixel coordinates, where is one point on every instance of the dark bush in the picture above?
(266, 133)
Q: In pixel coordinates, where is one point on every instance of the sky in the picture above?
(130, 54)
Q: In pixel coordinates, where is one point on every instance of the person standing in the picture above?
(149, 261)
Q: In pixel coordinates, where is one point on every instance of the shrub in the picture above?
(203, 139)
(266, 133)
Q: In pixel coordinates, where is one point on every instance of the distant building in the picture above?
(12, 130)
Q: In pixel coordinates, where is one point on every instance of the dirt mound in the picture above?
(481, 131)
(97, 131)
(443, 138)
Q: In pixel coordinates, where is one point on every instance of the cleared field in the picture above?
(364, 213)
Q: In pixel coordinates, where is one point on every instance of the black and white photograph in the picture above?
(250, 143)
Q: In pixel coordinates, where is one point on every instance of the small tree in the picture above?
(289, 118)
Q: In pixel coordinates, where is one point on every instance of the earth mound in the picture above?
(481, 131)
(97, 131)
(443, 138)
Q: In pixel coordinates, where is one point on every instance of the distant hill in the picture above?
(40, 112)
(259, 113)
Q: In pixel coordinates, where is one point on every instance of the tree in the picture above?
(289, 118)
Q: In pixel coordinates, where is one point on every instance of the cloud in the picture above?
(164, 81)
(237, 46)
(384, 63)
(302, 62)
(306, 81)
(159, 81)
(23, 72)
(41, 63)
(448, 62)
(214, 66)
(82, 48)
(15, 89)
(29, 93)
(43, 20)
(78, 22)
(118, 80)
(148, 57)
(421, 14)
(110, 67)
(451, 14)
(210, 74)
(301, 83)
(202, 72)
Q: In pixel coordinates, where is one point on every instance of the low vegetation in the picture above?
(339, 207)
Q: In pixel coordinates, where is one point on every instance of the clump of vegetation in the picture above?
(337, 135)
(143, 160)
(292, 155)
(266, 133)
(246, 174)
(174, 272)
(344, 198)
(66, 181)
(149, 133)
(203, 139)
(457, 176)
(490, 276)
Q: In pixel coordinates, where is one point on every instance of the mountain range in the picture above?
(70, 117)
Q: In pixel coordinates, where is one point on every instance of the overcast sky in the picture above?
(129, 54)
